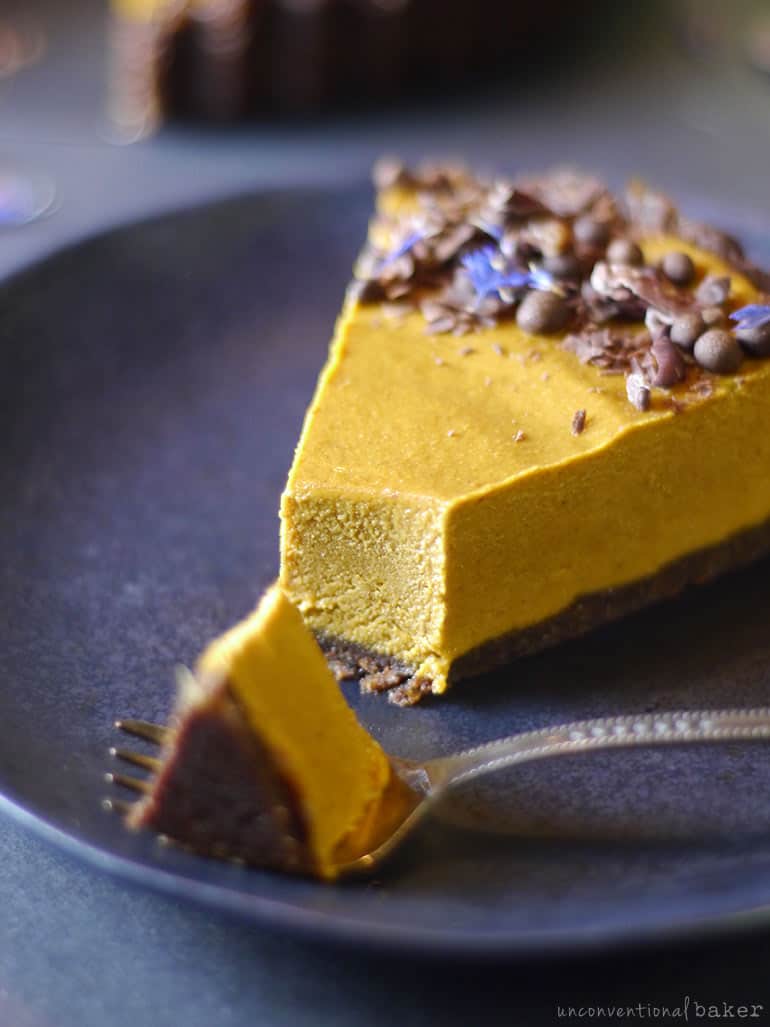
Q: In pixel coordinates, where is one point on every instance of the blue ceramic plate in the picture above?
(153, 386)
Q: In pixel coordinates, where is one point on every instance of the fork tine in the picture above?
(143, 729)
(138, 759)
(117, 806)
(136, 784)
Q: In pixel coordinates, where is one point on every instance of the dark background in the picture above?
(635, 91)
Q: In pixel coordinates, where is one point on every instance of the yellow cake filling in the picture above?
(149, 10)
(415, 524)
(140, 10)
(281, 681)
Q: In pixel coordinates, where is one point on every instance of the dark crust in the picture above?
(220, 793)
(354, 662)
(373, 671)
(249, 56)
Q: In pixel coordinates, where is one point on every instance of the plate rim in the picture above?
(314, 926)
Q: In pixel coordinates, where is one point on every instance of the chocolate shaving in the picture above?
(713, 290)
(667, 364)
(391, 173)
(649, 210)
(616, 281)
(593, 309)
(638, 391)
(609, 349)
(706, 237)
(506, 201)
(451, 241)
(578, 422)
(567, 192)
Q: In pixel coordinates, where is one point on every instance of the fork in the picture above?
(429, 780)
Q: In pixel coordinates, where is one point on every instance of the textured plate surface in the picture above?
(153, 386)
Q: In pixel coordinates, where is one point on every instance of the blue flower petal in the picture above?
(487, 279)
(404, 247)
(542, 279)
(494, 231)
(754, 315)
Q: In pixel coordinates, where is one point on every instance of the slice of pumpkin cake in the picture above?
(544, 406)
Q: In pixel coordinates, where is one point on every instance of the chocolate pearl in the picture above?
(541, 312)
(756, 341)
(678, 268)
(563, 265)
(714, 317)
(624, 251)
(686, 329)
(590, 232)
(718, 351)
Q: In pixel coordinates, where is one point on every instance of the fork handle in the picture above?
(647, 729)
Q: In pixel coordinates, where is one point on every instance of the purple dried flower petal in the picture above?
(488, 227)
(543, 280)
(754, 315)
(491, 274)
(411, 240)
(486, 278)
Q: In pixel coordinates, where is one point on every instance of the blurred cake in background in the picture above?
(225, 60)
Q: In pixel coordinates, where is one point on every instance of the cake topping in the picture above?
(570, 193)
(638, 391)
(563, 265)
(590, 232)
(713, 290)
(578, 422)
(625, 251)
(686, 329)
(714, 317)
(491, 274)
(718, 351)
(667, 366)
(613, 350)
(541, 312)
(753, 328)
(558, 252)
(755, 315)
(678, 267)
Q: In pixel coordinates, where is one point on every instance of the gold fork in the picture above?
(428, 781)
